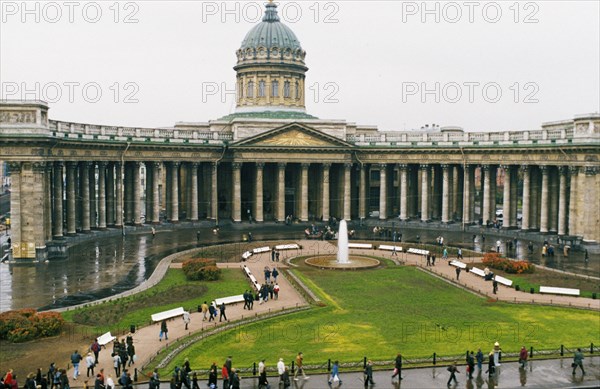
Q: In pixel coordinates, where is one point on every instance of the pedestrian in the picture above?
(498, 244)
(491, 365)
(117, 364)
(89, 361)
(204, 308)
(263, 383)
(163, 331)
(98, 384)
(277, 256)
(212, 376)
(470, 364)
(397, 367)
(445, 253)
(235, 379)
(457, 273)
(250, 236)
(95, 347)
(153, 232)
(335, 374)
(428, 260)
(212, 312)
(274, 274)
(273, 255)
(222, 309)
(276, 291)
(369, 373)
(479, 357)
(578, 361)
(186, 319)
(228, 365)
(286, 378)
(110, 383)
(131, 354)
(198, 236)
(75, 359)
(299, 366)
(394, 251)
(433, 260)
(586, 256)
(459, 254)
(280, 370)
(495, 286)
(453, 370)
(523, 357)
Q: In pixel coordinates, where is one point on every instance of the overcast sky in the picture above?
(490, 65)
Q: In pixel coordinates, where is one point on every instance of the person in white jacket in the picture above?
(90, 362)
(280, 369)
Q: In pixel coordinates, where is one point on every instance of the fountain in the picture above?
(342, 254)
(342, 260)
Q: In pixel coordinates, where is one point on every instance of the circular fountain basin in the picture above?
(356, 262)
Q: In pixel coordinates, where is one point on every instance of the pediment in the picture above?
(293, 135)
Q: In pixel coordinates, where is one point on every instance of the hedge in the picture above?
(27, 324)
(201, 269)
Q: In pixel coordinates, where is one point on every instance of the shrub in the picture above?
(27, 324)
(201, 269)
(494, 261)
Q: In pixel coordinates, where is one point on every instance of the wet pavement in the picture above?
(106, 263)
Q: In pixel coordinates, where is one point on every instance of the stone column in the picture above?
(119, 195)
(424, 193)
(214, 194)
(544, 202)
(57, 227)
(48, 202)
(553, 186)
(92, 193)
(347, 191)
(590, 223)
(128, 193)
(382, 191)
(459, 197)
(137, 195)
(281, 192)
(110, 193)
(513, 196)
(71, 197)
(85, 197)
(534, 200)
(445, 193)
(102, 195)
(175, 192)
(468, 185)
(562, 201)
(155, 193)
(526, 194)
(236, 206)
(573, 172)
(148, 200)
(362, 193)
(403, 191)
(304, 192)
(258, 193)
(506, 199)
(194, 192)
(487, 186)
(326, 167)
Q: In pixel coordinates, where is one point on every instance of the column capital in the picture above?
(326, 165)
(175, 164)
(382, 165)
(402, 166)
(214, 165)
(58, 164)
(236, 165)
(591, 170)
(156, 164)
(543, 169)
(573, 169)
(486, 168)
(194, 165)
(524, 168)
(424, 166)
(505, 167)
(348, 165)
(563, 170)
(260, 165)
(281, 165)
(305, 165)
(38, 166)
(445, 166)
(72, 165)
(103, 164)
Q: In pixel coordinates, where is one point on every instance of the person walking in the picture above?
(335, 374)
(578, 361)
(186, 319)
(117, 364)
(225, 376)
(163, 331)
(457, 273)
(263, 383)
(369, 373)
(470, 364)
(299, 366)
(397, 367)
(212, 376)
(280, 370)
(428, 260)
(479, 358)
(235, 379)
(459, 255)
(286, 378)
(212, 312)
(495, 286)
(95, 347)
(75, 359)
(204, 308)
(222, 315)
(274, 274)
(523, 357)
(89, 361)
(453, 370)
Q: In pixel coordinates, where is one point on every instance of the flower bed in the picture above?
(201, 270)
(494, 261)
(27, 324)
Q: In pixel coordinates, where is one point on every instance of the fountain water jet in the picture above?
(342, 254)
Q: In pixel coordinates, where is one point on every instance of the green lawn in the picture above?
(378, 313)
(173, 291)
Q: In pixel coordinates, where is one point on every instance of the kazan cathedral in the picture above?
(270, 159)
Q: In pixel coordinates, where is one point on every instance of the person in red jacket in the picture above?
(523, 357)
(225, 375)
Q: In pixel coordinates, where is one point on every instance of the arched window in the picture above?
(275, 89)
(261, 89)
(297, 90)
(286, 89)
(241, 90)
(250, 91)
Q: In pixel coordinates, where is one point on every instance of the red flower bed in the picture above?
(27, 324)
(494, 261)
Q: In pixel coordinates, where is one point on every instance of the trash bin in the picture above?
(531, 290)
(199, 308)
(132, 328)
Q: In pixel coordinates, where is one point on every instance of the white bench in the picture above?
(390, 248)
(360, 246)
(105, 339)
(246, 255)
(418, 251)
(477, 271)
(167, 314)
(291, 246)
(458, 264)
(253, 279)
(553, 290)
(230, 300)
(503, 281)
(261, 250)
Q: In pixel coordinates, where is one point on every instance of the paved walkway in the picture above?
(147, 343)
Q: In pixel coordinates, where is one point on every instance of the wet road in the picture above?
(104, 266)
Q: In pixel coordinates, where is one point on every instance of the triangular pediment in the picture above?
(293, 135)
